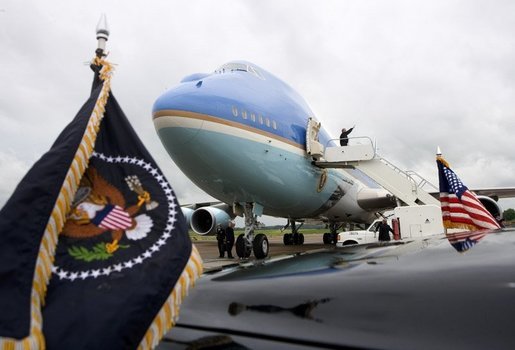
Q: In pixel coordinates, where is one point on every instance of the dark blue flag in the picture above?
(124, 259)
(29, 225)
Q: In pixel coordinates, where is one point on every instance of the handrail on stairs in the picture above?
(337, 141)
(416, 180)
(412, 176)
(414, 185)
(423, 182)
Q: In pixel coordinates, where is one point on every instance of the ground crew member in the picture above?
(229, 239)
(384, 231)
(220, 237)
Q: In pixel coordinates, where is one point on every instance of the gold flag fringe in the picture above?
(45, 259)
(450, 224)
(167, 316)
(444, 162)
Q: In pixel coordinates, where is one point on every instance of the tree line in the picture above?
(509, 214)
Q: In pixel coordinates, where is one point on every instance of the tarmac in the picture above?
(209, 250)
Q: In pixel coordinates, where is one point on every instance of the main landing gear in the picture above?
(247, 242)
(331, 237)
(294, 238)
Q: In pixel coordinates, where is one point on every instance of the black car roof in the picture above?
(415, 294)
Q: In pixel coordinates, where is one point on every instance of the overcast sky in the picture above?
(412, 75)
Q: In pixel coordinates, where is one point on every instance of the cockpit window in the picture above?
(239, 67)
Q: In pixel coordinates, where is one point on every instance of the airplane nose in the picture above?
(174, 129)
(175, 124)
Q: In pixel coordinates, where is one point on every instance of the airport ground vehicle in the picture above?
(409, 294)
(407, 222)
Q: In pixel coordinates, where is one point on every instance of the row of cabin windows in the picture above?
(254, 118)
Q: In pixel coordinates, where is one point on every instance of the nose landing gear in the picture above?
(247, 242)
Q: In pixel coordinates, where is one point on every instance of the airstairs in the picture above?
(406, 186)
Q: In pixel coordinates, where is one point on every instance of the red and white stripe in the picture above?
(116, 219)
(468, 210)
(463, 235)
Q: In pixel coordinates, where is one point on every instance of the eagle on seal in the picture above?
(99, 207)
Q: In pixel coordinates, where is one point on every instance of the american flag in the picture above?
(463, 241)
(113, 217)
(460, 207)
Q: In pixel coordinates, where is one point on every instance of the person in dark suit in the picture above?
(344, 140)
(384, 231)
(229, 239)
(220, 237)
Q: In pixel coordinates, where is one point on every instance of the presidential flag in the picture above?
(31, 220)
(123, 260)
(460, 207)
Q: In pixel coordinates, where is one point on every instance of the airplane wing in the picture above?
(499, 192)
(492, 192)
(201, 204)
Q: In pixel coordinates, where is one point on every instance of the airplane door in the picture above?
(313, 147)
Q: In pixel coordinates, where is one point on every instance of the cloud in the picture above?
(12, 171)
(412, 75)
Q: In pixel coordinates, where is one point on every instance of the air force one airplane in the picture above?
(249, 140)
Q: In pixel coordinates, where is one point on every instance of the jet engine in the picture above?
(491, 205)
(187, 212)
(204, 220)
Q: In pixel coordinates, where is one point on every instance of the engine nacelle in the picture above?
(491, 205)
(204, 220)
(375, 199)
(187, 212)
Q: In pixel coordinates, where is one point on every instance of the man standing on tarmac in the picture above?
(220, 237)
(229, 239)
(384, 231)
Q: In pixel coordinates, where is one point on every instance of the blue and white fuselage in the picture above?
(240, 135)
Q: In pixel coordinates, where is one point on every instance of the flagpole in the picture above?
(102, 36)
(28, 235)
(439, 155)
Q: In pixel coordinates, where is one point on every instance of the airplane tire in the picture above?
(261, 246)
(327, 238)
(301, 239)
(241, 249)
(288, 239)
